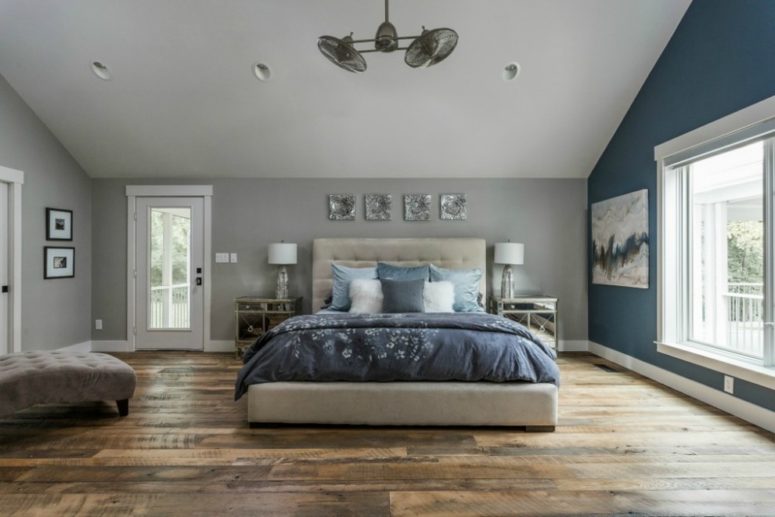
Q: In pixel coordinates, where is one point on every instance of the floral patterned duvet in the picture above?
(397, 347)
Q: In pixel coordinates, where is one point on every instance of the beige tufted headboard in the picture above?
(447, 253)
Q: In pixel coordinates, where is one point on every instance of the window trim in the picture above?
(717, 360)
(746, 124)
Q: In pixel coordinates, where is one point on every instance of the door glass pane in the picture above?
(727, 250)
(170, 259)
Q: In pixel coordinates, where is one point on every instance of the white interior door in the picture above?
(4, 328)
(169, 278)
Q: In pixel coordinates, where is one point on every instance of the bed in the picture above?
(405, 403)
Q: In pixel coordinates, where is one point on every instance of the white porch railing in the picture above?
(169, 307)
(745, 319)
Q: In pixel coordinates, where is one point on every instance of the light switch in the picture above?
(221, 258)
(233, 258)
(97, 324)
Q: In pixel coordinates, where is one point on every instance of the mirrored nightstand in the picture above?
(254, 316)
(537, 313)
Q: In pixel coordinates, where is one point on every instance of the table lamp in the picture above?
(282, 254)
(509, 253)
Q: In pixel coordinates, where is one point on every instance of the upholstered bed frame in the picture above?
(401, 403)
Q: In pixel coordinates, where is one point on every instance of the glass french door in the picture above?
(170, 261)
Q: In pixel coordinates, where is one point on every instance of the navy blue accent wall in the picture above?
(720, 60)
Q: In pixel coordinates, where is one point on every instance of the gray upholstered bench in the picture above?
(59, 377)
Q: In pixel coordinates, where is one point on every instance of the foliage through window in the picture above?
(169, 267)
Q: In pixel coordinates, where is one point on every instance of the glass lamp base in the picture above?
(281, 291)
(507, 283)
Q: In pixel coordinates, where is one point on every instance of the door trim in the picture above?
(132, 193)
(169, 190)
(15, 180)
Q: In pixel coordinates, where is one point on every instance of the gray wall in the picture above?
(248, 214)
(55, 313)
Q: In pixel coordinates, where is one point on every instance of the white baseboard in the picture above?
(220, 345)
(740, 408)
(84, 346)
(573, 345)
(111, 346)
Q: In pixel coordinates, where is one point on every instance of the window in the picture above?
(170, 265)
(717, 232)
(726, 250)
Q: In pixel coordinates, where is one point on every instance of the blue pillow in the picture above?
(466, 282)
(403, 295)
(343, 275)
(391, 272)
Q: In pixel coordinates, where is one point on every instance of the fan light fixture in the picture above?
(427, 49)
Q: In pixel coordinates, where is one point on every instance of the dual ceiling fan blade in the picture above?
(342, 53)
(429, 48)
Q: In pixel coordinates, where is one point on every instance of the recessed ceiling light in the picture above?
(511, 71)
(262, 71)
(100, 70)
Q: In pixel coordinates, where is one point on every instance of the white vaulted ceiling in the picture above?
(183, 100)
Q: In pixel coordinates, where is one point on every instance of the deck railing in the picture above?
(745, 318)
(169, 307)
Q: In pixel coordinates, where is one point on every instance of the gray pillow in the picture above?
(342, 276)
(466, 286)
(403, 295)
(391, 272)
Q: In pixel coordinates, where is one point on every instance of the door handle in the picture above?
(199, 280)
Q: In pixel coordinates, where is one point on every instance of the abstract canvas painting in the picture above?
(417, 207)
(378, 207)
(620, 240)
(453, 207)
(341, 207)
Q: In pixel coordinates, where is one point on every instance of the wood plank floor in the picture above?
(624, 444)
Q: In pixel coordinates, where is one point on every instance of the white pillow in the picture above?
(366, 296)
(439, 296)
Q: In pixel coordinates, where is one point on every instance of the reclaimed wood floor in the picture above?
(624, 444)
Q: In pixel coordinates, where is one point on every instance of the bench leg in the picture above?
(539, 428)
(123, 407)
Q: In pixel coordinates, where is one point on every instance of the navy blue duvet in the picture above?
(330, 347)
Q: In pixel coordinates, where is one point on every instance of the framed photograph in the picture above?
(417, 207)
(59, 224)
(378, 207)
(58, 262)
(452, 207)
(341, 207)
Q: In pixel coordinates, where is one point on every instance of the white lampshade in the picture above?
(282, 253)
(509, 253)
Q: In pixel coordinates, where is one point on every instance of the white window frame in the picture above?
(672, 269)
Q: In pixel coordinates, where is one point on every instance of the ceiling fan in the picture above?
(427, 49)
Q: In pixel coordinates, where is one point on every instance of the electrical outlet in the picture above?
(221, 258)
(98, 324)
(233, 258)
(729, 384)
